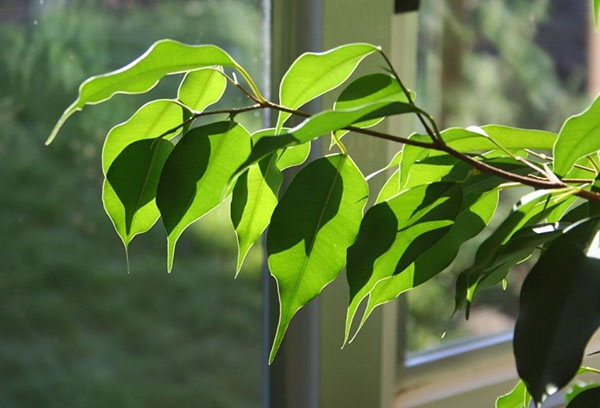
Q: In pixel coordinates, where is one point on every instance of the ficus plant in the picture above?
(174, 161)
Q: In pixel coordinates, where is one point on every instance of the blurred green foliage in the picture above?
(75, 329)
(527, 62)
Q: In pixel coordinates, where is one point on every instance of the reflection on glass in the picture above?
(506, 62)
(75, 328)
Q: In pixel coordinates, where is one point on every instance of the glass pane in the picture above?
(75, 328)
(506, 62)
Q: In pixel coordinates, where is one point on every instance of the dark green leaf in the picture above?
(590, 397)
(196, 176)
(164, 57)
(579, 136)
(313, 74)
(315, 222)
(559, 311)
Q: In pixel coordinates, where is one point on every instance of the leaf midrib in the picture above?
(317, 224)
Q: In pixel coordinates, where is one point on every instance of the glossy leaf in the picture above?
(518, 397)
(477, 211)
(322, 124)
(394, 233)
(200, 89)
(133, 178)
(365, 90)
(255, 194)
(164, 57)
(313, 74)
(315, 222)
(485, 272)
(590, 397)
(485, 138)
(150, 121)
(253, 201)
(196, 176)
(559, 311)
(579, 136)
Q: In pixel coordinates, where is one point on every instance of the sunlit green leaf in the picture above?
(255, 194)
(367, 89)
(394, 233)
(196, 176)
(552, 331)
(476, 212)
(518, 397)
(150, 121)
(315, 222)
(313, 74)
(164, 57)
(579, 136)
(596, 11)
(253, 201)
(200, 89)
(485, 272)
(133, 179)
(322, 124)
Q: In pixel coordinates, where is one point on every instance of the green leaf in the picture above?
(253, 201)
(518, 397)
(196, 176)
(596, 12)
(315, 222)
(559, 311)
(164, 57)
(313, 74)
(200, 89)
(130, 187)
(394, 233)
(255, 194)
(485, 272)
(150, 121)
(476, 212)
(365, 90)
(576, 390)
(322, 124)
(579, 136)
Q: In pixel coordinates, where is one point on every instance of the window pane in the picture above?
(75, 328)
(507, 62)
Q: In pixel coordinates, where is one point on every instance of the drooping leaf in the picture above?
(518, 397)
(196, 176)
(200, 89)
(367, 89)
(477, 211)
(313, 74)
(253, 201)
(255, 194)
(559, 311)
(150, 121)
(164, 57)
(394, 233)
(315, 222)
(484, 272)
(579, 136)
(322, 124)
(133, 178)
